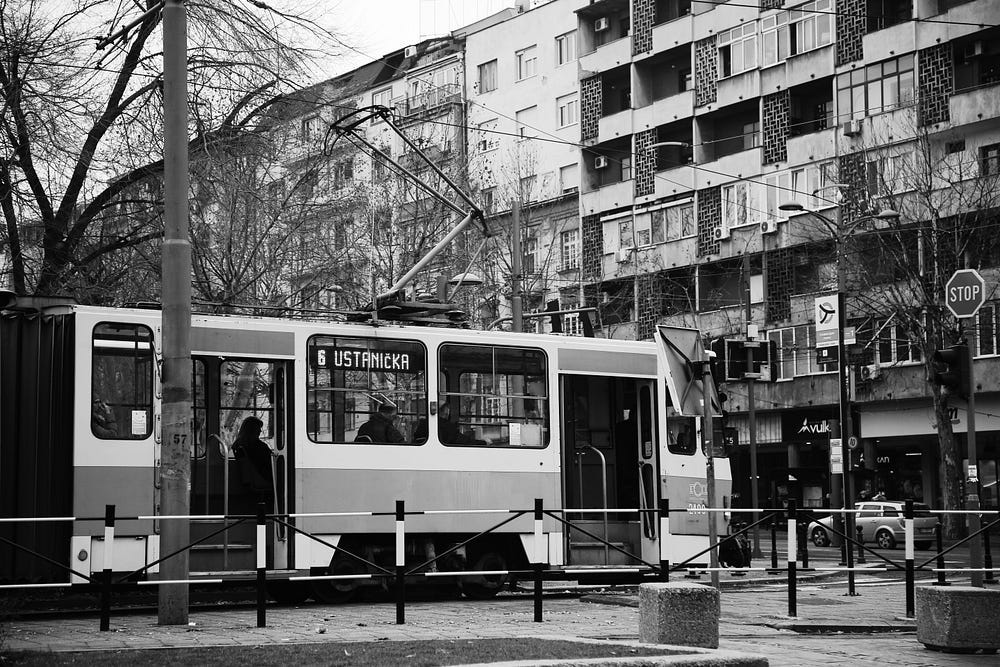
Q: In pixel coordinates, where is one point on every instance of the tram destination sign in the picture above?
(965, 293)
(348, 359)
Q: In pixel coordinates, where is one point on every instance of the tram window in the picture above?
(351, 381)
(681, 436)
(122, 382)
(493, 396)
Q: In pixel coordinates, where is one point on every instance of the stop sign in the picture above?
(965, 293)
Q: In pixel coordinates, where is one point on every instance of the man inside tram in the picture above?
(381, 427)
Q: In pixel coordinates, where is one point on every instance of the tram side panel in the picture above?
(36, 442)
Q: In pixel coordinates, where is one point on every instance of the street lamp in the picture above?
(840, 493)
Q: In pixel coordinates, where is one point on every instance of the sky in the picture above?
(376, 27)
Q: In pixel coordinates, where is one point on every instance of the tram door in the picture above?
(610, 463)
(226, 392)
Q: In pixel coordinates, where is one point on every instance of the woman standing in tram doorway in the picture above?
(253, 458)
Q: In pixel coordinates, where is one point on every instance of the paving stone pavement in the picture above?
(754, 620)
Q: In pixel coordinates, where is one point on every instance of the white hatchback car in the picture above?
(881, 522)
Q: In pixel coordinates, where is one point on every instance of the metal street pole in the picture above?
(751, 409)
(706, 439)
(972, 467)
(175, 462)
(517, 323)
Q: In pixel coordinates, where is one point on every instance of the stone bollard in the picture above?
(680, 613)
(958, 619)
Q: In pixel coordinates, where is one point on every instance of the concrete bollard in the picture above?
(959, 619)
(679, 613)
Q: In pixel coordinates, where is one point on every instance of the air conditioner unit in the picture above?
(409, 52)
(623, 255)
(720, 233)
(870, 372)
(601, 24)
(851, 128)
(600, 162)
(768, 226)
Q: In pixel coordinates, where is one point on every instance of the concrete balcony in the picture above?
(614, 126)
(669, 255)
(608, 197)
(713, 22)
(809, 66)
(745, 164)
(663, 111)
(974, 106)
(608, 56)
(959, 21)
(807, 148)
(739, 88)
(668, 182)
(890, 42)
(673, 33)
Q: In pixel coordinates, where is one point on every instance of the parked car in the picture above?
(881, 522)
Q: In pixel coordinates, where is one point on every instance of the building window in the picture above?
(989, 160)
(876, 88)
(787, 33)
(488, 76)
(677, 222)
(312, 129)
(625, 238)
(751, 135)
(796, 353)
(569, 178)
(737, 49)
(738, 204)
(886, 174)
(382, 98)
(525, 119)
(343, 172)
(528, 192)
(487, 199)
(569, 110)
(487, 136)
(893, 345)
(527, 63)
(569, 244)
(571, 325)
(530, 250)
(566, 48)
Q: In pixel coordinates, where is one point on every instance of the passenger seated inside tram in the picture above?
(102, 419)
(450, 434)
(381, 427)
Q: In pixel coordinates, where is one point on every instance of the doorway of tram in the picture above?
(228, 391)
(610, 463)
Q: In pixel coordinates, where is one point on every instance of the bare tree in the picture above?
(81, 128)
(896, 269)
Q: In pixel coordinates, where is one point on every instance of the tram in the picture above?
(489, 421)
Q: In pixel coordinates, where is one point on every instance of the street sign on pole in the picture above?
(964, 293)
(827, 320)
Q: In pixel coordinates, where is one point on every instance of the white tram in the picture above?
(577, 422)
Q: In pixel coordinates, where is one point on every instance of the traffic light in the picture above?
(950, 369)
(554, 320)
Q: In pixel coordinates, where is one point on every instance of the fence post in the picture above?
(939, 539)
(400, 563)
(261, 566)
(804, 539)
(664, 533)
(908, 526)
(861, 548)
(774, 538)
(792, 551)
(109, 548)
(988, 557)
(537, 565)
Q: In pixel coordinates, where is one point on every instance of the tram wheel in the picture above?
(483, 587)
(338, 591)
(288, 592)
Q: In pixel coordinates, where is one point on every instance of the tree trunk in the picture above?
(949, 470)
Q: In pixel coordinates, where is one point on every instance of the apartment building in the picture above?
(524, 129)
(702, 121)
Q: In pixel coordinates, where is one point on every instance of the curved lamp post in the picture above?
(840, 493)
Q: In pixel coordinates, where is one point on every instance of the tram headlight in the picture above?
(83, 555)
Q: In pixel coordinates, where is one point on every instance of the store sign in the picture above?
(805, 425)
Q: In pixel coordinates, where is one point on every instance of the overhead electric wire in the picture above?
(835, 12)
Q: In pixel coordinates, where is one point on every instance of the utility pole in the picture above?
(706, 439)
(517, 323)
(175, 456)
(972, 468)
(751, 376)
